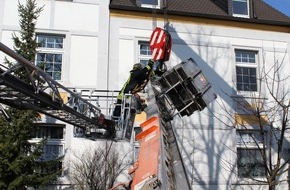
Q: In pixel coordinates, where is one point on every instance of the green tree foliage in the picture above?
(22, 163)
(26, 43)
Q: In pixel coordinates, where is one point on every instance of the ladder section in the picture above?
(159, 165)
(38, 91)
(181, 91)
(178, 177)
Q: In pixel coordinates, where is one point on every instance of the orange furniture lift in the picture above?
(147, 170)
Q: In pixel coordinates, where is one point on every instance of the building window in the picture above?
(49, 131)
(246, 70)
(241, 8)
(53, 168)
(54, 42)
(249, 138)
(49, 55)
(54, 147)
(250, 161)
(52, 151)
(150, 3)
(144, 52)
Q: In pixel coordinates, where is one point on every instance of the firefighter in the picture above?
(138, 77)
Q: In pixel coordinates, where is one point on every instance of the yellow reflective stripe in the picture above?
(148, 67)
(137, 86)
(120, 95)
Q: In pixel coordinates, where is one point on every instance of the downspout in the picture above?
(253, 10)
(2, 5)
(108, 57)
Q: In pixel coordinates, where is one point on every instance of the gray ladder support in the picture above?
(172, 172)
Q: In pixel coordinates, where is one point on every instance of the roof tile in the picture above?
(215, 9)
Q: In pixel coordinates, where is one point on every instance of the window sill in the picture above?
(150, 6)
(241, 16)
(250, 181)
(247, 95)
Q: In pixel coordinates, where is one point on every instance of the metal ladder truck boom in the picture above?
(42, 93)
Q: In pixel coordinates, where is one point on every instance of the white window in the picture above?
(246, 70)
(49, 131)
(241, 8)
(150, 3)
(49, 55)
(249, 138)
(249, 155)
(144, 52)
(53, 151)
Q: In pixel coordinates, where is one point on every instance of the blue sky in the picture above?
(281, 5)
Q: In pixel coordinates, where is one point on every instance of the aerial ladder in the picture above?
(180, 91)
(42, 93)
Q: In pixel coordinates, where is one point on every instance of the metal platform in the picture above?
(185, 88)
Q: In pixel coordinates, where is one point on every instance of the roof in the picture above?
(260, 12)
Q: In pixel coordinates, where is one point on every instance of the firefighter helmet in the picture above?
(137, 66)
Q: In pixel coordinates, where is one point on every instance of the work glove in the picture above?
(151, 63)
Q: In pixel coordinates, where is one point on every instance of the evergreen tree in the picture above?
(21, 163)
(26, 44)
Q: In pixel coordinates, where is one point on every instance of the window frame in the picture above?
(247, 65)
(257, 142)
(51, 51)
(50, 155)
(250, 147)
(48, 128)
(143, 58)
(51, 142)
(151, 5)
(241, 15)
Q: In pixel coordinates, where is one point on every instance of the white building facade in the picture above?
(91, 45)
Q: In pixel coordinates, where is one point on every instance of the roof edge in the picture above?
(199, 15)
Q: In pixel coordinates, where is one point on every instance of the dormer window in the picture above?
(241, 8)
(150, 3)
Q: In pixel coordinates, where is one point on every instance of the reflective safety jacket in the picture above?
(135, 80)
